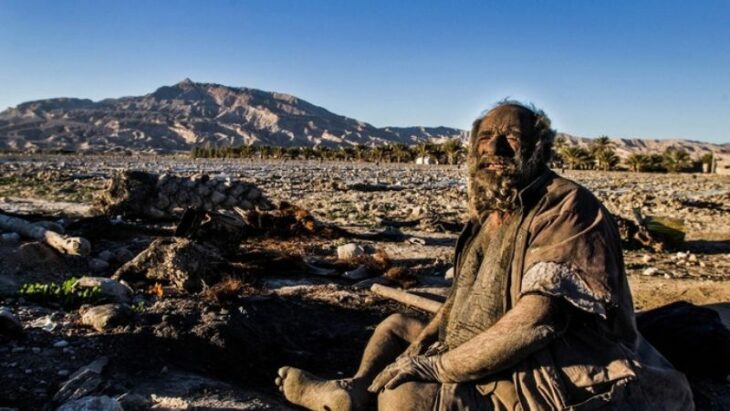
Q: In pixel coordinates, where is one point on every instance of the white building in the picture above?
(721, 163)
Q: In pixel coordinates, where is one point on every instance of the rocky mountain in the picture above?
(187, 114)
(179, 117)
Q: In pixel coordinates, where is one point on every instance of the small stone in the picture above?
(63, 373)
(134, 402)
(105, 255)
(646, 258)
(650, 271)
(349, 251)
(692, 258)
(97, 265)
(10, 326)
(360, 273)
(92, 403)
(122, 255)
(35, 350)
(106, 316)
(680, 255)
(17, 349)
(10, 238)
(449, 275)
(60, 344)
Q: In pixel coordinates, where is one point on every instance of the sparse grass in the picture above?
(62, 294)
(52, 190)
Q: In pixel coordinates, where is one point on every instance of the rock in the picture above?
(60, 344)
(100, 403)
(181, 262)
(83, 382)
(134, 402)
(36, 253)
(122, 255)
(650, 271)
(449, 275)
(10, 238)
(106, 316)
(349, 251)
(51, 225)
(646, 258)
(10, 326)
(360, 273)
(97, 265)
(111, 290)
(105, 255)
(693, 338)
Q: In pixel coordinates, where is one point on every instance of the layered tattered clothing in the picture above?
(560, 242)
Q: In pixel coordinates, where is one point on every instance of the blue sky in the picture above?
(645, 69)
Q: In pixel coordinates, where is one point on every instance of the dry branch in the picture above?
(67, 245)
(406, 298)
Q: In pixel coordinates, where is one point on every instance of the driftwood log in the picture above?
(67, 245)
(406, 298)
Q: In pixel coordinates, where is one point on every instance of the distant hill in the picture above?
(178, 117)
(187, 114)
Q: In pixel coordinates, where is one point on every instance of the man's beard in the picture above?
(497, 190)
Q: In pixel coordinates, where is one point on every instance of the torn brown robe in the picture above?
(561, 242)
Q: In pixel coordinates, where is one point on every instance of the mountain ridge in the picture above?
(187, 114)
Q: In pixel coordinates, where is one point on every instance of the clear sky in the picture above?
(646, 69)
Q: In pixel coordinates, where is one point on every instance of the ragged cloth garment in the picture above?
(562, 243)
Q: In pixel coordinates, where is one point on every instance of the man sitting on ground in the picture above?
(540, 315)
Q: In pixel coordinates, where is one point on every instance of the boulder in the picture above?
(111, 290)
(106, 316)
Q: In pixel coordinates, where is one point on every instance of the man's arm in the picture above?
(533, 322)
(429, 334)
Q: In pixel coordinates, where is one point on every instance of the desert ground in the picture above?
(283, 298)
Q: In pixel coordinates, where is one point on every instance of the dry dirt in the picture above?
(182, 351)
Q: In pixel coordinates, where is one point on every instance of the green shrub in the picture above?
(62, 294)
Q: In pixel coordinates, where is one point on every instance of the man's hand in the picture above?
(404, 369)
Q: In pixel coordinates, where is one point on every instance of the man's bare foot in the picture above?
(306, 390)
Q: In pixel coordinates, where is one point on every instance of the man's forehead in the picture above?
(507, 117)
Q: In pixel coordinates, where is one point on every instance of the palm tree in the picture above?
(676, 160)
(400, 152)
(606, 159)
(378, 153)
(558, 147)
(638, 162)
(453, 150)
(599, 144)
(575, 157)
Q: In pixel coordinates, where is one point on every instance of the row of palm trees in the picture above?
(450, 152)
(599, 155)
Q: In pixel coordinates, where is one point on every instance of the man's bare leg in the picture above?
(413, 396)
(390, 339)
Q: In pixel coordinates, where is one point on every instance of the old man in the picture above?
(539, 317)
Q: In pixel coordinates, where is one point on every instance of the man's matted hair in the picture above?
(545, 134)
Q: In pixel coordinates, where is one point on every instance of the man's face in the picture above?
(502, 135)
(499, 163)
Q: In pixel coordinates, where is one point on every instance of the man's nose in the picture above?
(496, 146)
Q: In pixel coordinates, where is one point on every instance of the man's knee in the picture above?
(401, 325)
(412, 395)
